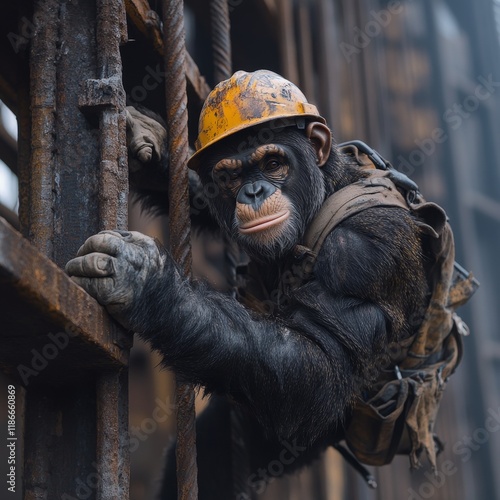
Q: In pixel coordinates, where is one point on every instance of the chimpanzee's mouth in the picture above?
(264, 222)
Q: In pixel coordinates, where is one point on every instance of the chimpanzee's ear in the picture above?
(321, 138)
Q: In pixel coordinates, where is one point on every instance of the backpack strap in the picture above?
(375, 190)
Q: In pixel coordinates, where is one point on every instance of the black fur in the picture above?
(295, 373)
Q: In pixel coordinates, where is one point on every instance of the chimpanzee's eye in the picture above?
(272, 164)
(233, 174)
(223, 176)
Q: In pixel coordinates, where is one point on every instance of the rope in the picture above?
(221, 40)
(179, 222)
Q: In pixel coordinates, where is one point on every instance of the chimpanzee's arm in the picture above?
(293, 375)
(298, 375)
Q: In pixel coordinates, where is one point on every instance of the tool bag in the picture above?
(398, 413)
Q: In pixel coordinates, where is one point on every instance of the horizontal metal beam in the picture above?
(10, 216)
(8, 92)
(49, 324)
(8, 149)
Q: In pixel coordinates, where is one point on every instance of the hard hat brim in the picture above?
(277, 123)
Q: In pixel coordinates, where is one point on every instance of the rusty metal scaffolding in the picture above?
(74, 428)
(73, 176)
(179, 222)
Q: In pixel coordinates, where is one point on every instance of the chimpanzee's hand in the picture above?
(114, 266)
(145, 138)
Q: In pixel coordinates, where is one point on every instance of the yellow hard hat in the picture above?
(245, 100)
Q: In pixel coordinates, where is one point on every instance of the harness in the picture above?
(398, 413)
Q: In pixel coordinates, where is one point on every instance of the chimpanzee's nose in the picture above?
(254, 193)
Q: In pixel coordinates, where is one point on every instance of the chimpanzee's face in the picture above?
(268, 193)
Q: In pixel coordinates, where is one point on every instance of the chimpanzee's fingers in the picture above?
(133, 236)
(109, 242)
(100, 288)
(92, 265)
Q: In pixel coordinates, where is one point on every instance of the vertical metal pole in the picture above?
(180, 225)
(113, 175)
(37, 217)
(112, 453)
(43, 108)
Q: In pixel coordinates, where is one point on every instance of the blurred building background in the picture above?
(418, 80)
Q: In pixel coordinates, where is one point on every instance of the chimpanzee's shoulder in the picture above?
(369, 251)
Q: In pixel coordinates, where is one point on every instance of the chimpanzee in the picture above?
(291, 370)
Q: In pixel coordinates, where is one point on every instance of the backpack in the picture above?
(398, 413)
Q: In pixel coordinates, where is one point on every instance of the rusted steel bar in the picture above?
(34, 286)
(176, 99)
(113, 178)
(187, 471)
(221, 39)
(57, 213)
(37, 185)
(107, 95)
(43, 103)
(179, 223)
(112, 426)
